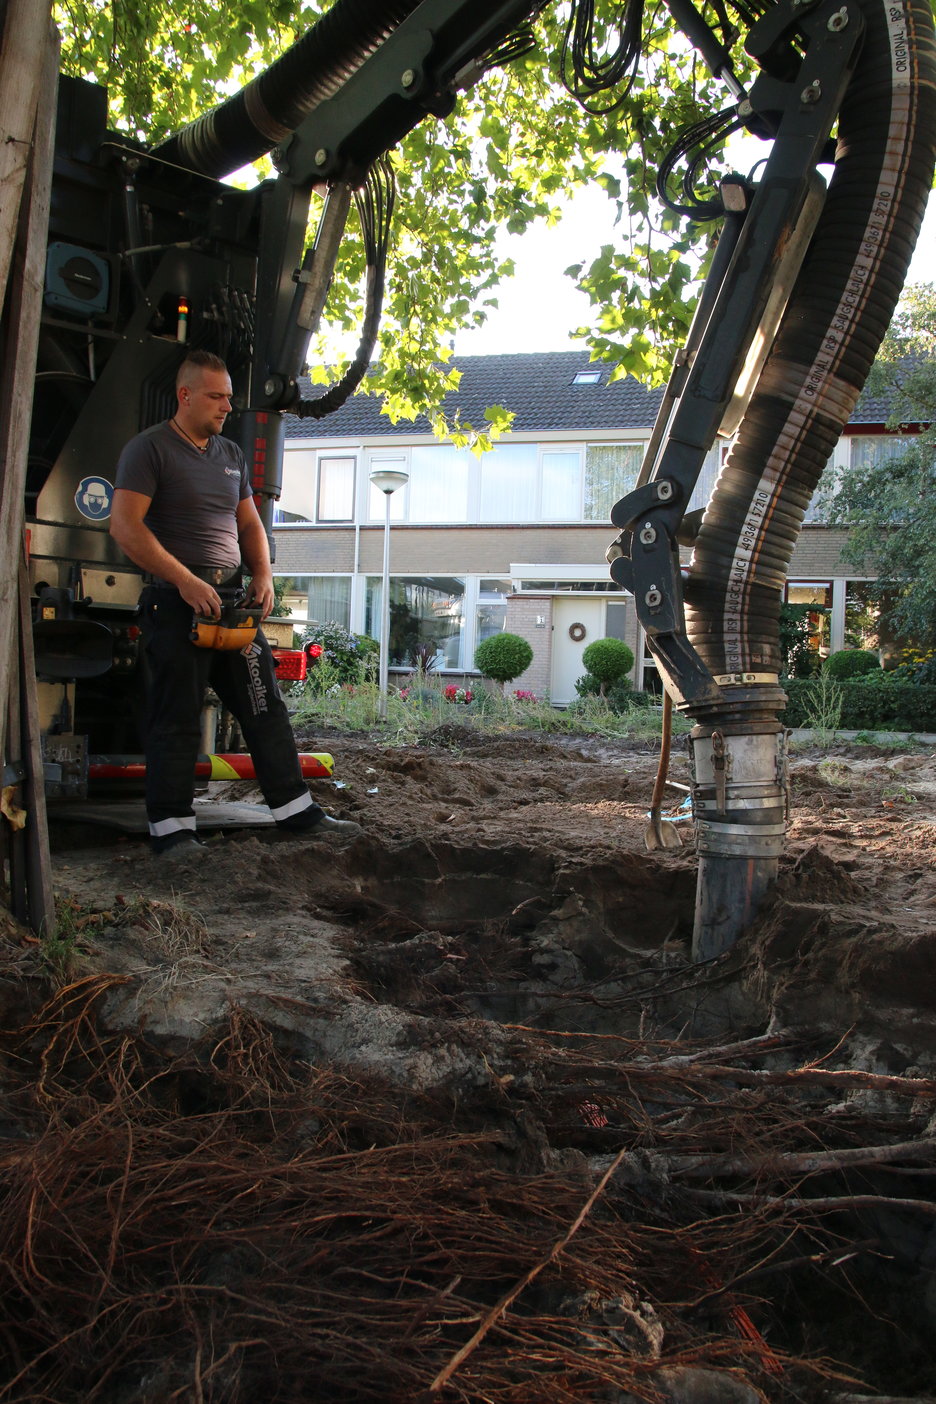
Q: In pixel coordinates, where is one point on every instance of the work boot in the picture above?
(326, 826)
(178, 847)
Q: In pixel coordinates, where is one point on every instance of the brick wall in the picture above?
(523, 611)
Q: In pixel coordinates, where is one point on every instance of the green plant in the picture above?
(608, 660)
(619, 696)
(503, 657)
(824, 708)
(342, 658)
(851, 663)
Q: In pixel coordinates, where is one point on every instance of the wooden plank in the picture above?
(18, 367)
(30, 863)
(37, 858)
(25, 34)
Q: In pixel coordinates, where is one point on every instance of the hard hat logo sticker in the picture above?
(93, 498)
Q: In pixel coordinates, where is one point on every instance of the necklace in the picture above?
(202, 448)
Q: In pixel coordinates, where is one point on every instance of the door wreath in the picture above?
(576, 632)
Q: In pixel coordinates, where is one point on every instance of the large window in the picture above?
(439, 483)
(509, 483)
(315, 489)
(816, 598)
(610, 473)
(336, 490)
(377, 502)
(319, 597)
(868, 450)
(562, 487)
(492, 609)
(424, 610)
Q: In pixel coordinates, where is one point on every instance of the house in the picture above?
(514, 538)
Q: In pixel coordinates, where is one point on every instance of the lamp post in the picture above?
(386, 480)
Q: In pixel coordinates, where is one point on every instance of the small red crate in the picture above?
(291, 664)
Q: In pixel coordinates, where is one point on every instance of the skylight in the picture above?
(587, 377)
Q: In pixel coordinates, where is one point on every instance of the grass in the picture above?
(421, 708)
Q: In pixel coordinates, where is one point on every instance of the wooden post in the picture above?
(24, 45)
(22, 266)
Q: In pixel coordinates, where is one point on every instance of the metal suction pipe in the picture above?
(740, 806)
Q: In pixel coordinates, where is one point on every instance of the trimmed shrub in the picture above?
(608, 660)
(851, 663)
(503, 657)
(867, 706)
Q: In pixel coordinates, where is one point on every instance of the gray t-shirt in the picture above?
(195, 495)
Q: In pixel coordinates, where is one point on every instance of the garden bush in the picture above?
(851, 663)
(344, 655)
(620, 696)
(608, 660)
(867, 706)
(503, 657)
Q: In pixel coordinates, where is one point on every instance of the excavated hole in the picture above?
(514, 934)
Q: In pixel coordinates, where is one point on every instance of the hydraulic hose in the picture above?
(271, 106)
(837, 316)
(838, 313)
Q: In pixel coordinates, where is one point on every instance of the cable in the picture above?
(696, 142)
(375, 201)
(586, 71)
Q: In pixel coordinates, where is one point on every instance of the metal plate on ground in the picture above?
(129, 816)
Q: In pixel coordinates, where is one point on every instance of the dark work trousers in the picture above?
(177, 674)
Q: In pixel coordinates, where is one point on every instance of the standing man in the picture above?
(184, 513)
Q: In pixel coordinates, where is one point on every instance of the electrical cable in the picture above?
(375, 201)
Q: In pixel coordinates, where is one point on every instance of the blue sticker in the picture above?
(93, 498)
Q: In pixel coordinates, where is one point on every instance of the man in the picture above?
(184, 513)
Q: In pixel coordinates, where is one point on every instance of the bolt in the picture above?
(321, 156)
(647, 535)
(811, 94)
(838, 21)
(664, 490)
(408, 77)
(653, 597)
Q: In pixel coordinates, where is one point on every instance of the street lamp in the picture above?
(386, 480)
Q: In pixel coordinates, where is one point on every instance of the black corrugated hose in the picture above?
(264, 112)
(838, 313)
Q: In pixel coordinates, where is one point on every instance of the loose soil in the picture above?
(302, 1116)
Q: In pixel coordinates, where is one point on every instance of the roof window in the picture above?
(587, 377)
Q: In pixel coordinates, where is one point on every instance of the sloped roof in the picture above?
(539, 387)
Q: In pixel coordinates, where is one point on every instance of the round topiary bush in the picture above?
(608, 660)
(851, 663)
(503, 657)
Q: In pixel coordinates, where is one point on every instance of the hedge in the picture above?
(866, 706)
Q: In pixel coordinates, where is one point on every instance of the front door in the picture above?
(576, 624)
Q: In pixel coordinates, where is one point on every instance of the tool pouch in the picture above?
(236, 628)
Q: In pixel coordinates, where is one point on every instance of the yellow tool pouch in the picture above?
(236, 628)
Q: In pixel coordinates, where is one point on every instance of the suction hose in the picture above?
(271, 106)
(838, 313)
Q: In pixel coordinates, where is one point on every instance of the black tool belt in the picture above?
(212, 575)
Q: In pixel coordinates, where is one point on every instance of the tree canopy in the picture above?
(889, 506)
(514, 147)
